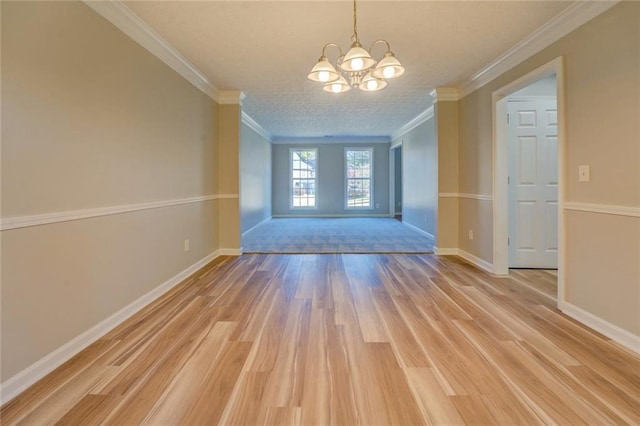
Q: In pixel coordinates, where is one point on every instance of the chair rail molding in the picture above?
(603, 209)
(66, 216)
(465, 195)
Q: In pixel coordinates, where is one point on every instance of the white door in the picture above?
(533, 184)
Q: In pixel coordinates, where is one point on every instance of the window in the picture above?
(359, 178)
(303, 178)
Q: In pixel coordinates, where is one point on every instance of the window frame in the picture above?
(315, 179)
(371, 205)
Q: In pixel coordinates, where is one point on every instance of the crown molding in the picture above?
(230, 97)
(253, 125)
(444, 94)
(421, 118)
(330, 140)
(129, 23)
(577, 14)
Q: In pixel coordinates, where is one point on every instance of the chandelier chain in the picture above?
(355, 23)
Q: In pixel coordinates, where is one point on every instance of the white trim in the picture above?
(500, 168)
(603, 209)
(57, 217)
(577, 14)
(415, 122)
(444, 94)
(330, 140)
(480, 263)
(392, 181)
(398, 214)
(256, 225)
(615, 333)
(571, 18)
(230, 252)
(129, 23)
(396, 143)
(123, 18)
(530, 98)
(230, 97)
(446, 251)
(36, 371)
(465, 195)
(419, 231)
(329, 215)
(253, 125)
(474, 260)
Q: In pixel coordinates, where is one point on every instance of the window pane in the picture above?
(358, 169)
(303, 174)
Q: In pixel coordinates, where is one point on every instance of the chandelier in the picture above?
(357, 68)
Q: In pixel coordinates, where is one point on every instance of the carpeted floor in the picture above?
(335, 235)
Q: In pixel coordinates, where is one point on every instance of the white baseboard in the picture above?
(445, 251)
(22, 380)
(419, 231)
(475, 260)
(480, 263)
(255, 226)
(398, 213)
(229, 252)
(615, 333)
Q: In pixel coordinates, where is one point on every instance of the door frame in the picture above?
(500, 168)
(393, 151)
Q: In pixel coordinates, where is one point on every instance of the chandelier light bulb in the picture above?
(372, 85)
(389, 72)
(335, 88)
(357, 64)
(323, 76)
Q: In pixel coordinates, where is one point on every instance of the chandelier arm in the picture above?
(380, 41)
(334, 45)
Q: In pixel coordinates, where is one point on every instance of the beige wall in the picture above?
(602, 88)
(446, 116)
(229, 175)
(89, 120)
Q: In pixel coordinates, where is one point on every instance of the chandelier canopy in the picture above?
(356, 68)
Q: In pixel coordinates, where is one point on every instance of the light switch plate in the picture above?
(583, 173)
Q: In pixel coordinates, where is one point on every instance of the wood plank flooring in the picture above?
(344, 339)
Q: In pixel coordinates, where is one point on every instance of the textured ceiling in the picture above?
(266, 49)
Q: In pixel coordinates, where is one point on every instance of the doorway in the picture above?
(532, 145)
(501, 175)
(395, 182)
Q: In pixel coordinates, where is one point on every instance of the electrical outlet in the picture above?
(470, 234)
(186, 245)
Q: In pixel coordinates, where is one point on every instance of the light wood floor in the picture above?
(344, 339)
